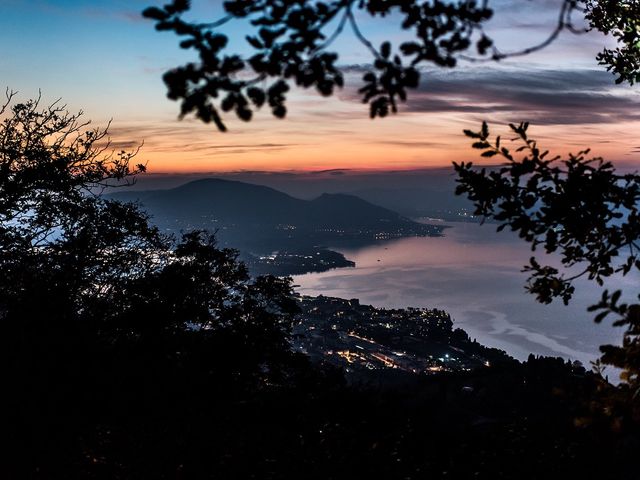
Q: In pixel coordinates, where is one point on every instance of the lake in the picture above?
(474, 273)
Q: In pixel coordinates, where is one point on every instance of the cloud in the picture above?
(253, 145)
(332, 171)
(412, 143)
(544, 97)
(181, 137)
(123, 145)
(227, 149)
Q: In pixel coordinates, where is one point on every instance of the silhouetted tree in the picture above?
(103, 318)
(620, 19)
(579, 208)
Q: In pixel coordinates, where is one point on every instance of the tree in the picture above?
(621, 19)
(579, 208)
(103, 318)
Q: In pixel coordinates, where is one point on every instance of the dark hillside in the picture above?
(261, 219)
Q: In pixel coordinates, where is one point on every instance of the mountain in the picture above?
(343, 210)
(223, 200)
(439, 202)
(248, 215)
(415, 193)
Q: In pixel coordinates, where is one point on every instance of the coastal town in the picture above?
(295, 262)
(369, 342)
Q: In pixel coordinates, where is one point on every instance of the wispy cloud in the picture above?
(413, 143)
(545, 97)
(332, 171)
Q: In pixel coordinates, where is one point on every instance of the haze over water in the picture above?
(474, 273)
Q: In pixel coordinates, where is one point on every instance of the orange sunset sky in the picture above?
(103, 58)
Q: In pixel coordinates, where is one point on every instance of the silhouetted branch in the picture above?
(564, 23)
(339, 29)
(360, 36)
(217, 23)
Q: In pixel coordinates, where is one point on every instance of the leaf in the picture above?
(471, 134)
(615, 297)
(483, 44)
(254, 42)
(410, 48)
(178, 6)
(244, 114)
(485, 130)
(257, 96)
(155, 13)
(601, 316)
(187, 43)
(385, 49)
(280, 111)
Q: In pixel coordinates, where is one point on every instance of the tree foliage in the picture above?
(292, 42)
(100, 313)
(578, 208)
(620, 19)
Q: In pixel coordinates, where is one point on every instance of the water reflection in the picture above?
(474, 274)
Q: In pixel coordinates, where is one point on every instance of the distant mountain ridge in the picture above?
(239, 202)
(246, 215)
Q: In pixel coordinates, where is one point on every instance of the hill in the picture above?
(260, 219)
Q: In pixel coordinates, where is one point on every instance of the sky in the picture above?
(103, 58)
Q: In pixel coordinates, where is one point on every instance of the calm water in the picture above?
(474, 274)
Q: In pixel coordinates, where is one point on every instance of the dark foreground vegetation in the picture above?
(520, 421)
